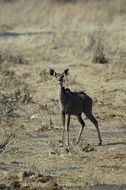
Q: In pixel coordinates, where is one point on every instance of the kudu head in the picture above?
(59, 76)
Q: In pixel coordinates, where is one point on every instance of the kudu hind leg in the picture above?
(82, 127)
(67, 130)
(94, 121)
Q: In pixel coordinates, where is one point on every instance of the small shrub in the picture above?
(87, 148)
(99, 52)
(100, 58)
(45, 126)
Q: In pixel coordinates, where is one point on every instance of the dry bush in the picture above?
(99, 55)
(99, 51)
(107, 51)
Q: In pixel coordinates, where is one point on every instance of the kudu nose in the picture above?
(60, 81)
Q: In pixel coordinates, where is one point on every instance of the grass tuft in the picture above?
(87, 148)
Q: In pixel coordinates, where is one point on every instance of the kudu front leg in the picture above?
(63, 125)
(82, 127)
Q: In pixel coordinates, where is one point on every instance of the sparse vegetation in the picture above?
(89, 38)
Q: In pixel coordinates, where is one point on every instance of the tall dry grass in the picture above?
(71, 15)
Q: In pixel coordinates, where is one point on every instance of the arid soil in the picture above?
(89, 38)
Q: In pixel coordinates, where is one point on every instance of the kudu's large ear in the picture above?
(66, 72)
(52, 72)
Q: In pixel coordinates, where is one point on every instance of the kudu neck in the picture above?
(60, 88)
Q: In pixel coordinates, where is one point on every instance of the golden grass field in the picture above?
(89, 38)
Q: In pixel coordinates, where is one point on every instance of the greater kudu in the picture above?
(74, 103)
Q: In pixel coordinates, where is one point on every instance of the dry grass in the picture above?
(31, 14)
(7, 56)
(89, 38)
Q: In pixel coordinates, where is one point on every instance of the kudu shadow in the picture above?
(119, 134)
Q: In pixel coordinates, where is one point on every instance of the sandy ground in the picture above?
(89, 38)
